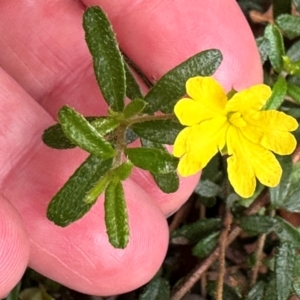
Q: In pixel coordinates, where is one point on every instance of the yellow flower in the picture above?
(237, 127)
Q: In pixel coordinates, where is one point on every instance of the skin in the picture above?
(45, 64)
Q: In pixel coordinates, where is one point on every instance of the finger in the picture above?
(158, 35)
(14, 247)
(80, 255)
(51, 61)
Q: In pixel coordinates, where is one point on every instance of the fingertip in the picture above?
(14, 249)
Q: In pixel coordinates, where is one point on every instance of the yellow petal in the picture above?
(270, 130)
(249, 100)
(273, 119)
(208, 92)
(180, 145)
(196, 145)
(241, 176)
(251, 159)
(190, 112)
(188, 166)
(240, 172)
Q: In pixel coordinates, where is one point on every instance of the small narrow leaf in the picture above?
(157, 289)
(206, 245)
(68, 204)
(158, 131)
(83, 134)
(133, 90)
(292, 68)
(284, 265)
(105, 125)
(276, 49)
(123, 171)
(154, 160)
(294, 92)
(196, 231)
(171, 87)
(278, 93)
(134, 107)
(54, 136)
(263, 47)
(168, 183)
(289, 24)
(107, 58)
(116, 218)
(99, 187)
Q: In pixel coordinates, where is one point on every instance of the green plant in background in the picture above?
(266, 261)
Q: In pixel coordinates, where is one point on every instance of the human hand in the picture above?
(43, 50)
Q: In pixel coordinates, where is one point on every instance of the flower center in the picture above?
(236, 119)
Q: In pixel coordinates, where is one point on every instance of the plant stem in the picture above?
(145, 118)
(187, 283)
(258, 258)
(222, 246)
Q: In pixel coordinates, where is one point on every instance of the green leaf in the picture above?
(256, 224)
(284, 265)
(168, 183)
(83, 134)
(171, 87)
(289, 24)
(133, 90)
(207, 188)
(270, 291)
(276, 46)
(278, 93)
(286, 194)
(294, 51)
(157, 289)
(158, 131)
(154, 160)
(292, 68)
(296, 275)
(263, 47)
(206, 245)
(279, 193)
(116, 218)
(257, 291)
(98, 188)
(54, 136)
(134, 107)
(130, 136)
(123, 171)
(68, 204)
(287, 232)
(107, 58)
(196, 231)
(294, 92)
(105, 125)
